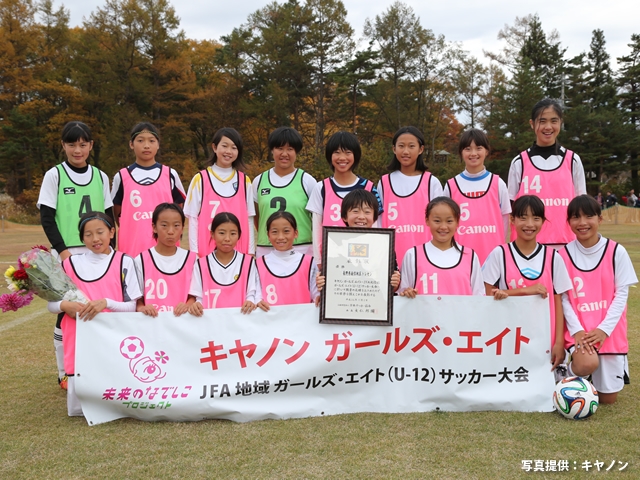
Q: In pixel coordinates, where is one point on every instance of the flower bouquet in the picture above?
(38, 272)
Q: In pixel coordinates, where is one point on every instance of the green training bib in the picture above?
(291, 198)
(74, 200)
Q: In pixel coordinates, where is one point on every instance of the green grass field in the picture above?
(38, 440)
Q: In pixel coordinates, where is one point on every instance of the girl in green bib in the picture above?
(283, 188)
(69, 190)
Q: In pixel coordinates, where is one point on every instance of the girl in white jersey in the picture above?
(482, 196)
(441, 266)
(525, 267)
(225, 278)
(223, 187)
(407, 190)
(286, 276)
(107, 278)
(165, 270)
(596, 308)
(68, 190)
(549, 171)
(139, 188)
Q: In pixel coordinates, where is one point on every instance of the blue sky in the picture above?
(473, 23)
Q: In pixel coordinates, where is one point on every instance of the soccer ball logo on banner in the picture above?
(145, 369)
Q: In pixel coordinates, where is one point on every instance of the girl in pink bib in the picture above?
(106, 277)
(165, 270)
(223, 187)
(225, 278)
(139, 188)
(343, 154)
(407, 190)
(441, 266)
(287, 277)
(548, 171)
(482, 196)
(596, 308)
(524, 267)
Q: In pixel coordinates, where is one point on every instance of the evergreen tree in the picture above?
(546, 57)
(329, 40)
(629, 97)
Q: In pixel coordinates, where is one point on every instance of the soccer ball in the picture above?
(575, 398)
(131, 348)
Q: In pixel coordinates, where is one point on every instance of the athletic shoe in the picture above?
(561, 372)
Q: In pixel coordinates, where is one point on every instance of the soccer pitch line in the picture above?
(19, 321)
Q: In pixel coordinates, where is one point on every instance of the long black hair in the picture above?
(394, 164)
(455, 208)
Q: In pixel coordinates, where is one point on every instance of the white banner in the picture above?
(443, 353)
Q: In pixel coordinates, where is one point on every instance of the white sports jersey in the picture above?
(442, 259)
(530, 267)
(227, 274)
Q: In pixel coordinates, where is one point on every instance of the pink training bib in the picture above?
(214, 203)
(481, 226)
(434, 280)
(220, 295)
(135, 234)
(332, 217)
(289, 290)
(592, 294)
(109, 285)
(555, 189)
(515, 279)
(406, 214)
(165, 290)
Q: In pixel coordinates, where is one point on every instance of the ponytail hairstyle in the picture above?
(144, 127)
(233, 135)
(543, 104)
(225, 217)
(87, 217)
(540, 107)
(161, 208)
(455, 208)
(394, 164)
(282, 214)
(76, 131)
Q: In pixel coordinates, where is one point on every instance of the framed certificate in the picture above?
(357, 264)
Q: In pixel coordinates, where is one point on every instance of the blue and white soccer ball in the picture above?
(575, 398)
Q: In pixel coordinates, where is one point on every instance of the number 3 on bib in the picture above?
(272, 296)
(335, 212)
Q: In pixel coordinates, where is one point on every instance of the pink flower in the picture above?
(11, 302)
(40, 247)
(162, 357)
